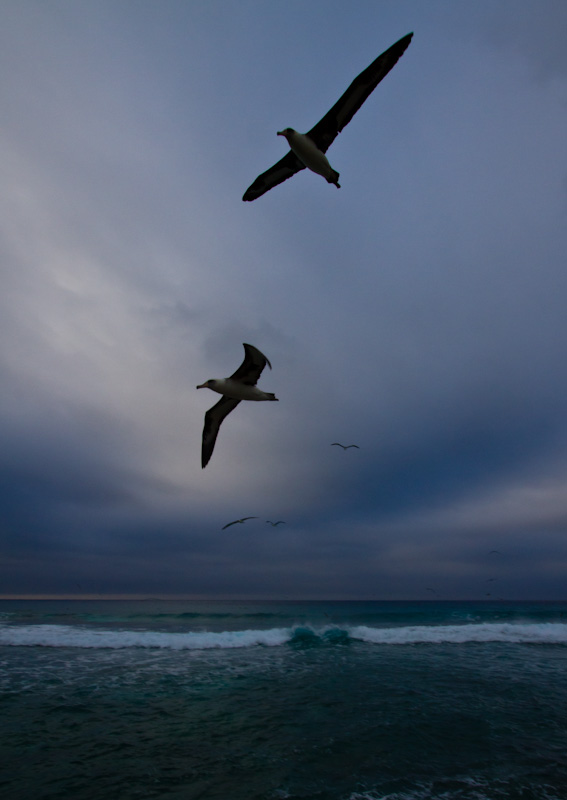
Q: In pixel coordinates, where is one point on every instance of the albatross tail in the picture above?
(333, 177)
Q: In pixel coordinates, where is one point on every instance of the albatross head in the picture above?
(210, 384)
(287, 132)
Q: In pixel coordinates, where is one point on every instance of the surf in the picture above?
(53, 635)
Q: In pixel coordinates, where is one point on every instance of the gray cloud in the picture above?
(418, 312)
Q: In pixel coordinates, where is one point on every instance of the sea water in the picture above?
(270, 701)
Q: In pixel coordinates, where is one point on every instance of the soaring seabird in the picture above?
(275, 524)
(240, 386)
(345, 446)
(308, 149)
(236, 521)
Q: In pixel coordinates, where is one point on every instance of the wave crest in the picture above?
(533, 633)
(298, 636)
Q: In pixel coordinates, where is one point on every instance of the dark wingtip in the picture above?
(245, 345)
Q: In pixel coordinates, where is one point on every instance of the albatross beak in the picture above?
(203, 386)
(281, 133)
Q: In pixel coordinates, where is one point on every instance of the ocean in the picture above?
(181, 700)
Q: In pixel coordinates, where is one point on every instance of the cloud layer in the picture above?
(419, 311)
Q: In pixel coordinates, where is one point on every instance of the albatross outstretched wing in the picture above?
(213, 420)
(251, 368)
(236, 521)
(280, 172)
(327, 129)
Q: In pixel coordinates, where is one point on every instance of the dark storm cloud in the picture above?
(418, 312)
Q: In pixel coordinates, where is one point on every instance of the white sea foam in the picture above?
(83, 637)
(68, 636)
(536, 633)
(464, 788)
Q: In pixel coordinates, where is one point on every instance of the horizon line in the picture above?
(264, 598)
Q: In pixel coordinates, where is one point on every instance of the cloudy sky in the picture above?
(419, 311)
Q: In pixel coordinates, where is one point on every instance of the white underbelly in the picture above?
(310, 155)
(240, 391)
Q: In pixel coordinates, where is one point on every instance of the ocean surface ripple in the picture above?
(318, 701)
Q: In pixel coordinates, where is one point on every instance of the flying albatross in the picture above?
(236, 521)
(308, 149)
(240, 386)
(345, 446)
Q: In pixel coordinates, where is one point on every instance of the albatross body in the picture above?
(308, 149)
(240, 386)
(236, 389)
(310, 155)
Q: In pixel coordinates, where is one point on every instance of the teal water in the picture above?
(237, 701)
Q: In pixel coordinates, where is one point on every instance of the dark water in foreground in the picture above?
(266, 701)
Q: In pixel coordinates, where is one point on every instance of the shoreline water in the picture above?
(194, 699)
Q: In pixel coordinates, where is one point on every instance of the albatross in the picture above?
(240, 386)
(308, 149)
(236, 522)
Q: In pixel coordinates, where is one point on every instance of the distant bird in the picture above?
(236, 522)
(240, 386)
(495, 551)
(345, 446)
(308, 149)
(275, 524)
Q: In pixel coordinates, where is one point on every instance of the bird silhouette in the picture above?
(236, 522)
(240, 386)
(308, 149)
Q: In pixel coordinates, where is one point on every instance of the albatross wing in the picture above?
(247, 374)
(327, 129)
(280, 172)
(236, 521)
(251, 368)
(213, 421)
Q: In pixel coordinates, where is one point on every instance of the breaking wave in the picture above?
(83, 637)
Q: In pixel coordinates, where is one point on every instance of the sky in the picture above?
(419, 311)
